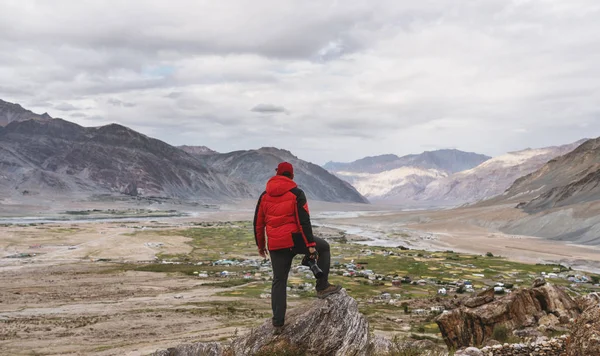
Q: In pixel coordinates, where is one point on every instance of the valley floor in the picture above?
(99, 287)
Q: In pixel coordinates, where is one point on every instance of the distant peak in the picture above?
(197, 150)
(274, 150)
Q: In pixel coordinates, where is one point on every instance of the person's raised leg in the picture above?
(323, 287)
(281, 261)
(323, 262)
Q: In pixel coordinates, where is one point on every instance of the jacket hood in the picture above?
(279, 185)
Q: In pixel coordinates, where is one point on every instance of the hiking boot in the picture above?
(277, 330)
(331, 289)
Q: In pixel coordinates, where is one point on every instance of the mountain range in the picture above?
(492, 177)
(392, 179)
(40, 155)
(450, 161)
(426, 180)
(255, 167)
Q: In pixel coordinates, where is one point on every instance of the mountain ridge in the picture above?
(256, 166)
(450, 160)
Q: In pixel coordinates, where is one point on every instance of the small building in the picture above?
(396, 283)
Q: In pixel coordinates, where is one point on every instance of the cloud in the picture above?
(66, 107)
(117, 102)
(268, 109)
(354, 78)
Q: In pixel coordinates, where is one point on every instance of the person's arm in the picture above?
(259, 227)
(303, 217)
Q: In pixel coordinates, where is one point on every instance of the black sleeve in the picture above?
(259, 224)
(303, 215)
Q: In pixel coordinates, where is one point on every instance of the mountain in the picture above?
(255, 167)
(450, 161)
(396, 184)
(566, 180)
(492, 177)
(14, 112)
(197, 150)
(57, 157)
(390, 178)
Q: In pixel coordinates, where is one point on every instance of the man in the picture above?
(282, 209)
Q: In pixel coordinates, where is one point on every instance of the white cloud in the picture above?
(355, 78)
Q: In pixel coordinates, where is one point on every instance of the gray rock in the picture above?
(199, 349)
(469, 351)
(331, 326)
(538, 282)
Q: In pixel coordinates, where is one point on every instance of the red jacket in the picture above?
(282, 209)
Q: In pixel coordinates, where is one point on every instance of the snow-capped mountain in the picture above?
(392, 178)
(492, 177)
(404, 181)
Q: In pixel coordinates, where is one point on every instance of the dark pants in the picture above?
(281, 261)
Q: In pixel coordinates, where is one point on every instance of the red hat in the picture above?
(285, 167)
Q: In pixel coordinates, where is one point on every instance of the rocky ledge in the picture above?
(331, 326)
(545, 306)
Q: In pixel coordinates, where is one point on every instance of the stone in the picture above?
(548, 320)
(491, 342)
(478, 301)
(464, 327)
(330, 326)
(469, 351)
(538, 282)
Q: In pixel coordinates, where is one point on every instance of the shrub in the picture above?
(500, 333)
(489, 254)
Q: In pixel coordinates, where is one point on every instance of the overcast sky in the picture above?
(327, 80)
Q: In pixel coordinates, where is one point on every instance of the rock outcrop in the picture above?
(585, 335)
(524, 308)
(331, 326)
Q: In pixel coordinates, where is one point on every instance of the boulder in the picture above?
(538, 282)
(585, 335)
(548, 321)
(330, 326)
(463, 327)
(478, 301)
(469, 351)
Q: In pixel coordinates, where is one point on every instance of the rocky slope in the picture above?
(197, 150)
(255, 167)
(569, 179)
(390, 178)
(585, 337)
(59, 157)
(14, 112)
(492, 177)
(473, 323)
